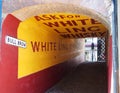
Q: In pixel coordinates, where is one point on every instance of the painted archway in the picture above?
(43, 37)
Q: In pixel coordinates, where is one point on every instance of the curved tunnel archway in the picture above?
(44, 40)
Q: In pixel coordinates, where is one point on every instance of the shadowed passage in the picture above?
(88, 77)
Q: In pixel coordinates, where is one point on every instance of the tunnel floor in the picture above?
(88, 77)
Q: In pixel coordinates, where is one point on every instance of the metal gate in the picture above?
(101, 57)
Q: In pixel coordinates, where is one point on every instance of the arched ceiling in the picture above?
(69, 21)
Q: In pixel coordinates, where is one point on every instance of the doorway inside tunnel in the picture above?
(91, 49)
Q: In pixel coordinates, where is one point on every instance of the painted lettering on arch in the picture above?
(72, 25)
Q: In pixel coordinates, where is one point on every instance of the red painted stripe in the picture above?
(90, 45)
(110, 65)
(8, 65)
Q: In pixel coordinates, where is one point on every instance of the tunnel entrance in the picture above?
(47, 45)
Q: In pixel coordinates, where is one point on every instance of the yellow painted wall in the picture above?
(51, 39)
